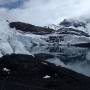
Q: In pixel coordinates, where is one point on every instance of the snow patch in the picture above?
(47, 77)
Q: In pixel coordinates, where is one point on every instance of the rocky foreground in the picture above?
(26, 72)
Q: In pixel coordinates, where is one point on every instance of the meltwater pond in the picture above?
(74, 58)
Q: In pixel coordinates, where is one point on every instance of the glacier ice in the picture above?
(12, 41)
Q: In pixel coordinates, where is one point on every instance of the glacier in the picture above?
(12, 41)
(17, 41)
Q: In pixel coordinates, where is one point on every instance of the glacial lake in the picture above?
(74, 58)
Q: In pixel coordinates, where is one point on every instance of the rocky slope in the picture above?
(27, 72)
(25, 27)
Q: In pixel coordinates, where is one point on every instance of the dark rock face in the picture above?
(55, 39)
(72, 32)
(30, 28)
(28, 73)
(82, 45)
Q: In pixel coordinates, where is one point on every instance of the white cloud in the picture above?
(42, 12)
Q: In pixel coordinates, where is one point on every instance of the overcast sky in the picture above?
(43, 12)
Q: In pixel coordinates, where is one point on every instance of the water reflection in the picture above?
(75, 58)
(69, 54)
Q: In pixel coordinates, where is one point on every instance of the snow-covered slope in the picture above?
(70, 32)
(12, 41)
